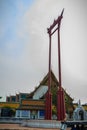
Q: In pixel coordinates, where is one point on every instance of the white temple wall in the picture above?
(23, 113)
(30, 114)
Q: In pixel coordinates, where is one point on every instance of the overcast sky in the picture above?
(24, 45)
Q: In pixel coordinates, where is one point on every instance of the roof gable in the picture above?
(54, 85)
(45, 82)
(46, 78)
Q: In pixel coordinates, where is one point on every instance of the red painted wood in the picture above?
(60, 105)
(60, 93)
(48, 106)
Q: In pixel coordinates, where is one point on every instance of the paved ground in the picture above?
(18, 127)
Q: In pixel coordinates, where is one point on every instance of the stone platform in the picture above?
(18, 127)
(32, 123)
(42, 123)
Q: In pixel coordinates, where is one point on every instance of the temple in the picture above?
(33, 105)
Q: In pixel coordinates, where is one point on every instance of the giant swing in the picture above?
(60, 93)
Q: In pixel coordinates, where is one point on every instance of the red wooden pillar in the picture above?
(48, 98)
(60, 93)
(60, 105)
(48, 106)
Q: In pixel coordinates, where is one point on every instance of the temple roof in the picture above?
(9, 104)
(44, 82)
(32, 104)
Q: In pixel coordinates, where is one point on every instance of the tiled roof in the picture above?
(9, 104)
(44, 81)
(31, 107)
(33, 102)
